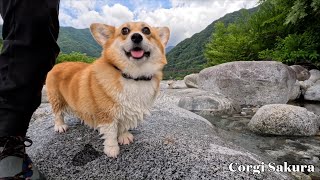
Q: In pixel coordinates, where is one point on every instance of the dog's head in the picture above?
(135, 48)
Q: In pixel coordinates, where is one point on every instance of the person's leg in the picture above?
(30, 31)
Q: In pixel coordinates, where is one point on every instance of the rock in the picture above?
(295, 91)
(44, 98)
(314, 75)
(315, 175)
(302, 73)
(191, 80)
(313, 93)
(243, 113)
(204, 102)
(305, 85)
(179, 84)
(172, 143)
(282, 119)
(250, 83)
(301, 176)
(248, 111)
(315, 108)
(164, 84)
(42, 112)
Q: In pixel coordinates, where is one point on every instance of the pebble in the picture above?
(301, 176)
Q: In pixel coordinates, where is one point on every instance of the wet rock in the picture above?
(281, 119)
(191, 80)
(250, 83)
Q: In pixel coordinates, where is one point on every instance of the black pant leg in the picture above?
(30, 32)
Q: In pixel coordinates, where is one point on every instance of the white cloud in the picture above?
(184, 18)
(117, 14)
(85, 14)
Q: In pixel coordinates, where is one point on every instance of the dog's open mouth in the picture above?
(137, 53)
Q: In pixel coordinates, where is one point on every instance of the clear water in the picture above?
(278, 149)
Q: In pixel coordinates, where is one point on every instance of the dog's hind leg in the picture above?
(59, 124)
(58, 107)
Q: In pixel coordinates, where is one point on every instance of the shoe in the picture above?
(14, 162)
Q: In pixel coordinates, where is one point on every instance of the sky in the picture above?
(183, 17)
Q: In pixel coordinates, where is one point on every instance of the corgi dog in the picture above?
(114, 92)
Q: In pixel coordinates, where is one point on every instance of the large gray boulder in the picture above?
(313, 93)
(250, 83)
(172, 143)
(191, 80)
(282, 119)
(302, 73)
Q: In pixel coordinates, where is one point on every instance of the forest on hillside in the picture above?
(282, 30)
(188, 55)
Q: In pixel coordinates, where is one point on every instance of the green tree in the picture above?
(282, 30)
(301, 41)
(74, 57)
(232, 42)
(229, 43)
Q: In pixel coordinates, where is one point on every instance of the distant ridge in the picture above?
(187, 56)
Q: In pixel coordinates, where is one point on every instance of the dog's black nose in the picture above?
(136, 38)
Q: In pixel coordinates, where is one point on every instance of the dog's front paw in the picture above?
(60, 128)
(111, 151)
(125, 138)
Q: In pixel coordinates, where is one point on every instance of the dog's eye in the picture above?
(125, 31)
(146, 30)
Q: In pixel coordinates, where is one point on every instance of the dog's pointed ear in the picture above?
(101, 32)
(164, 34)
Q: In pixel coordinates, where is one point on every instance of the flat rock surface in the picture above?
(172, 143)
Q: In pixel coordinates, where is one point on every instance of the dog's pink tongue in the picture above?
(137, 54)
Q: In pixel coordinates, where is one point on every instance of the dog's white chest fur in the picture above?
(135, 101)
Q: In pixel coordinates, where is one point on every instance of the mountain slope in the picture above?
(169, 48)
(78, 40)
(187, 56)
